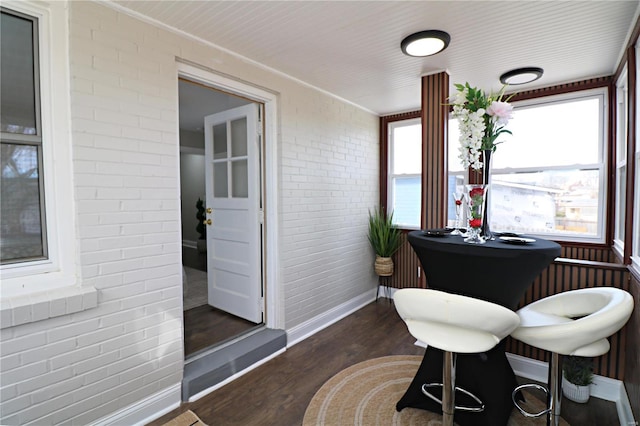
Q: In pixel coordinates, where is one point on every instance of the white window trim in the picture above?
(391, 176)
(45, 285)
(602, 155)
(635, 254)
(620, 160)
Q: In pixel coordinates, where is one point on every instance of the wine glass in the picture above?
(458, 199)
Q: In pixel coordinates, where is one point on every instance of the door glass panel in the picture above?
(20, 222)
(220, 185)
(239, 137)
(220, 141)
(18, 100)
(239, 179)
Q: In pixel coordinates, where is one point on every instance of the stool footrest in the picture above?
(457, 407)
(522, 410)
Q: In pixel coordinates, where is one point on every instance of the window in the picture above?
(622, 122)
(456, 174)
(405, 169)
(635, 251)
(37, 232)
(22, 222)
(548, 178)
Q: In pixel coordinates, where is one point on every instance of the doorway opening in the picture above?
(221, 205)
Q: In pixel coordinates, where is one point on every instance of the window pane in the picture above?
(220, 141)
(239, 137)
(569, 130)
(17, 75)
(453, 151)
(556, 202)
(406, 201)
(220, 184)
(21, 234)
(621, 190)
(239, 179)
(407, 149)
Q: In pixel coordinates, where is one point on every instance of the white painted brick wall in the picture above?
(77, 368)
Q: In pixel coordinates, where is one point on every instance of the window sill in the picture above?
(40, 306)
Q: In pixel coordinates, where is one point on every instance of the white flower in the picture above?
(481, 119)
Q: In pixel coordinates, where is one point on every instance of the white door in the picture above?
(233, 209)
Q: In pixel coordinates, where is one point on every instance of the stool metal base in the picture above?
(449, 391)
(478, 409)
(553, 392)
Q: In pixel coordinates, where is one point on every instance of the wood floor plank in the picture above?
(205, 326)
(278, 392)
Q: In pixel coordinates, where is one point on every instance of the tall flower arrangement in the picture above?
(481, 120)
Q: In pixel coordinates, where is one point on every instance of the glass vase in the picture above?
(486, 175)
(475, 196)
(458, 199)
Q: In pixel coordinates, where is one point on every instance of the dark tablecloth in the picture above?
(497, 272)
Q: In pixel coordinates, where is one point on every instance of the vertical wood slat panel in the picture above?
(406, 265)
(561, 276)
(435, 91)
(632, 355)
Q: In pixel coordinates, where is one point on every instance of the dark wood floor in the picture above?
(205, 326)
(278, 392)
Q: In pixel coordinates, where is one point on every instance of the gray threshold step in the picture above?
(218, 365)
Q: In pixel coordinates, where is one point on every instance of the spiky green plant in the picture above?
(578, 370)
(384, 236)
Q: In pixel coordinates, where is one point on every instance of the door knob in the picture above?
(209, 210)
(207, 222)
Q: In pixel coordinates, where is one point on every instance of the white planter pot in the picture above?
(575, 393)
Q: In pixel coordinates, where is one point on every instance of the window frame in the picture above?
(620, 162)
(33, 140)
(59, 269)
(601, 165)
(635, 238)
(390, 172)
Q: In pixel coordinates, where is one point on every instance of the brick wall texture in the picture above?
(75, 369)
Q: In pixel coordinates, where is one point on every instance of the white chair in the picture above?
(453, 324)
(576, 323)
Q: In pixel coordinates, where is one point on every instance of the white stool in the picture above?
(575, 323)
(453, 324)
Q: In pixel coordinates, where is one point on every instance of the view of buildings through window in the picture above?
(547, 178)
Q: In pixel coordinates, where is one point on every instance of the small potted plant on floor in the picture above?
(201, 228)
(385, 238)
(577, 376)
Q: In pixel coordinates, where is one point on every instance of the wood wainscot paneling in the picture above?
(588, 252)
(405, 267)
(570, 274)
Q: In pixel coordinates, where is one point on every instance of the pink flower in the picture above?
(501, 110)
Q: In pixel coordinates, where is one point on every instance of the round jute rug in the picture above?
(366, 394)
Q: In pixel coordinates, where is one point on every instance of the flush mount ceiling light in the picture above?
(425, 43)
(521, 75)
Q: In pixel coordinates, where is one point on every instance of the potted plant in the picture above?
(201, 228)
(385, 238)
(577, 376)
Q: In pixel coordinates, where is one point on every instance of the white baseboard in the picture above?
(387, 292)
(310, 327)
(146, 410)
(602, 387)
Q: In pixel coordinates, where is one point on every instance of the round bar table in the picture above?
(498, 272)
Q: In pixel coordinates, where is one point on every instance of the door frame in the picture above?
(273, 292)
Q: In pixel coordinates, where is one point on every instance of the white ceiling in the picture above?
(352, 48)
